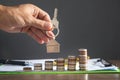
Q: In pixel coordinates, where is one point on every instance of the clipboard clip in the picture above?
(105, 63)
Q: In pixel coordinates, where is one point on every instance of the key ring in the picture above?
(57, 32)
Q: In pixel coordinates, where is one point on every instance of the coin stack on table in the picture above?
(83, 59)
(37, 66)
(60, 64)
(27, 68)
(71, 63)
(49, 65)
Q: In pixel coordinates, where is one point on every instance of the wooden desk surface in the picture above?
(62, 77)
(65, 76)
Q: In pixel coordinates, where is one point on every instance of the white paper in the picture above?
(92, 65)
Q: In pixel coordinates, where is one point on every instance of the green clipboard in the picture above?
(64, 72)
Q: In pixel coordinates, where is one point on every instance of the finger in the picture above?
(44, 15)
(25, 29)
(40, 24)
(50, 34)
(14, 30)
(35, 37)
(40, 34)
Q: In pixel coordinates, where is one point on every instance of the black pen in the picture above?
(13, 62)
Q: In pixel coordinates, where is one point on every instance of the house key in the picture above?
(53, 46)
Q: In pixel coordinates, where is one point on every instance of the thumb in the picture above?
(41, 24)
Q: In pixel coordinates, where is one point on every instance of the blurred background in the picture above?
(90, 24)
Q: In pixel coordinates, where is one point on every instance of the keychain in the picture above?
(53, 46)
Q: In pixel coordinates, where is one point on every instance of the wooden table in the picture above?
(65, 76)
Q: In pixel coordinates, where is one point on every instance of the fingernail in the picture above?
(53, 37)
(48, 26)
(42, 42)
(50, 34)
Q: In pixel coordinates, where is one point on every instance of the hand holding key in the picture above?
(26, 18)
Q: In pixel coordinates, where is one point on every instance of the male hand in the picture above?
(27, 18)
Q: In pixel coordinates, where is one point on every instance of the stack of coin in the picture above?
(37, 66)
(48, 65)
(60, 64)
(83, 59)
(27, 68)
(71, 63)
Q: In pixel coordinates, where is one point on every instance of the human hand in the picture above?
(26, 18)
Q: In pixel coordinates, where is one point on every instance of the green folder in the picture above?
(64, 72)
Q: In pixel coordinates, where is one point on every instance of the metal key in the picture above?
(53, 46)
(55, 23)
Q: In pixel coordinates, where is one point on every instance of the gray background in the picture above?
(91, 24)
